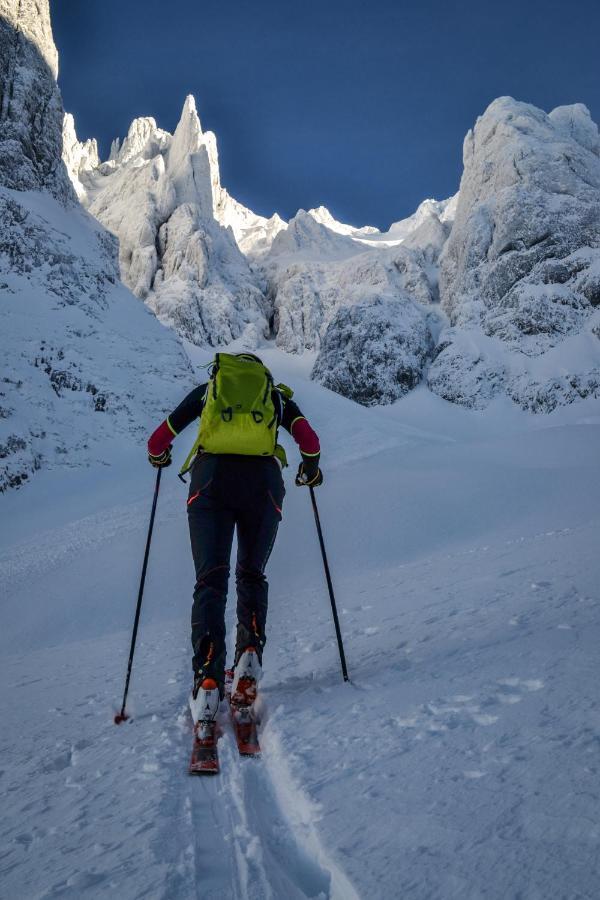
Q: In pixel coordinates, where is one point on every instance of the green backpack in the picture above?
(239, 415)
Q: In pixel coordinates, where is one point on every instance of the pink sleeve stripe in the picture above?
(160, 440)
(305, 437)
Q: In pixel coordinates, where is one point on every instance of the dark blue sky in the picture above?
(361, 106)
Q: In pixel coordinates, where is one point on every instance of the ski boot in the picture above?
(246, 675)
(204, 699)
(206, 692)
(247, 670)
(204, 704)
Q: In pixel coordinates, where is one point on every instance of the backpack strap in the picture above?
(189, 460)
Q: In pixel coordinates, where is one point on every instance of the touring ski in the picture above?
(205, 756)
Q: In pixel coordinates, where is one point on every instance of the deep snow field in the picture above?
(461, 762)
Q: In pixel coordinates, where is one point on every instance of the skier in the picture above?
(236, 483)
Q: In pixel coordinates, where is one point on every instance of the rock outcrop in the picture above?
(161, 196)
(520, 273)
(31, 113)
(375, 352)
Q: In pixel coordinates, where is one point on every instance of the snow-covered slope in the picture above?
(520, 273)
(460, 761)
(161, 196)
(85, 366)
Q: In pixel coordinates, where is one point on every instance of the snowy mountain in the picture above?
(85, 366)
(160, 194)
(365, 300)
(214, 270)
(520, 273)
(318, 267)
(428, 213)
(498, 284)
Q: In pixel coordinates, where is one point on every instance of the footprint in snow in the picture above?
(463, 710)
(58, 764)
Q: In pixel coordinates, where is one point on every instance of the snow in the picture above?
(458, 763)
(75, 341)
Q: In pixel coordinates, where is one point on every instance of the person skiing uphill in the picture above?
(236, 484)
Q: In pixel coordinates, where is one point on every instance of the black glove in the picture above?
(309, 473)
(162, 460)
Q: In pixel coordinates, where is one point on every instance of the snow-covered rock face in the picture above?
(519, 274)
(514, 259)
(314, 270)
(78, 157)
(31, 113)
(308, 294)
(203, 288)
(429, 211)
(144, 141)
(375, 352)
(307, 236)
(254, 234)
(86, 367)
(161, 196)
(215, 271)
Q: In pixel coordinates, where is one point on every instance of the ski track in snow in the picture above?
(240, 839)
(165, 834)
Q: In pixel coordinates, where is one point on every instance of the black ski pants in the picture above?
(229, 492)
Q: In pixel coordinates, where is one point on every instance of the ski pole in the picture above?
(122, 716)
(336, 621)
